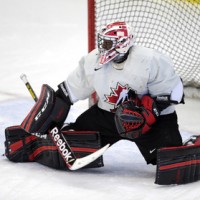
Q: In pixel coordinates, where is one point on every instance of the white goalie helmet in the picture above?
(114, 39)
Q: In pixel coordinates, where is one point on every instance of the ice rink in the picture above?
(45, 40)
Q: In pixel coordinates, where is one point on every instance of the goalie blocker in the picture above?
(20, 146)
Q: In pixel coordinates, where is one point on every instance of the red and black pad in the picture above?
(83, 143)
(178, 165)
(49, 110)
(20, 146)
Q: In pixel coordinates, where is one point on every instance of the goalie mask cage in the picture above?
(170, 26)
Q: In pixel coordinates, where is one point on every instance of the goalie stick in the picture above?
(28, 86)
(62, 145)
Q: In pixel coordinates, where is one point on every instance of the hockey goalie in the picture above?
(137, 91)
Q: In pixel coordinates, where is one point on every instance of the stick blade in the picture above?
(81, 162)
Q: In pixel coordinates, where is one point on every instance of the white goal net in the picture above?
(170, 26)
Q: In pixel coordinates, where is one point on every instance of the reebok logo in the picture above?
(62, 146)
(162, 98)
(62, 86)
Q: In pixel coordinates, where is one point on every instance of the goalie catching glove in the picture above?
(134, 120)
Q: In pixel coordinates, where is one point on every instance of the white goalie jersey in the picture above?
(145, 71)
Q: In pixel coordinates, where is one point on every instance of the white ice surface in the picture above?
(45, 39)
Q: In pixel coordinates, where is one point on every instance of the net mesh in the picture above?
(170, 26)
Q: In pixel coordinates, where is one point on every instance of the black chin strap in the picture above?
(121, 57)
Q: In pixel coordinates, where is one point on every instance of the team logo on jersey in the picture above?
(119, 94)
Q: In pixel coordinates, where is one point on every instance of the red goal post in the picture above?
(91, 38)
(170, 26)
